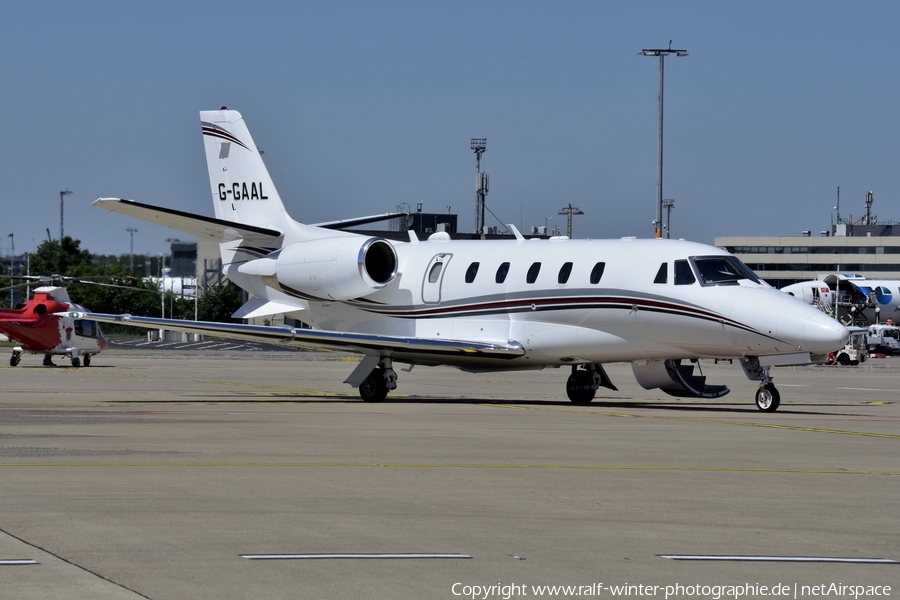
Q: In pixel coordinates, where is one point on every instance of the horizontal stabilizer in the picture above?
(196, 225)
(403, 348)
(345, 223)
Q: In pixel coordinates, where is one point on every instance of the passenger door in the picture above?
(434, 275)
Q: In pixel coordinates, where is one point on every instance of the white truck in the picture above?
(854, 352)
(884, 339)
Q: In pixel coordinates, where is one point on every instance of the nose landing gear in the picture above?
(767, 397)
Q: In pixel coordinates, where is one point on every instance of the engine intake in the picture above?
(338, 268)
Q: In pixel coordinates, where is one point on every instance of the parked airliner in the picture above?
(483, 305)
(852, 298)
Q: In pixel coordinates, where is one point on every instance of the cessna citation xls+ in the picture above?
(482, 305)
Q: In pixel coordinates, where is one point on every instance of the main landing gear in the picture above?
(767, 397)
(375, 377)
(382, 379)
(78, 360)
(582, 384)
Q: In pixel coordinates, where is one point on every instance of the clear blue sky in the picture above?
(360, 106)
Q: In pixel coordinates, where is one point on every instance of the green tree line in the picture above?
(141, 297)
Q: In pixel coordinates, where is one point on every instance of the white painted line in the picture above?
(325, 556)
(18, 561)
(828, 559)
(863, 389)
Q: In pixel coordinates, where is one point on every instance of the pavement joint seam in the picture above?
(74, 564)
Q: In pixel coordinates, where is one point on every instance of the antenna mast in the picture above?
(838, 207)
(870, 198)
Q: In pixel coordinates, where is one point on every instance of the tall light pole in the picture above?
(479, 147)
(669, 204)
(12, 261)
(65, 192)
(662, 53)
(570, 210)
(131, 231)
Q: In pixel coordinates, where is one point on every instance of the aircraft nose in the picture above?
(823, 334)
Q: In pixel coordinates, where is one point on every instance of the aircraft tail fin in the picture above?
(242, 190)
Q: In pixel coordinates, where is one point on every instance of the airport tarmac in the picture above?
(152, 474)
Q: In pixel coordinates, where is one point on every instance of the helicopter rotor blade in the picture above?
(18, 286)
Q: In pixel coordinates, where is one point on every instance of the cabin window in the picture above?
(662, 276)
(85, 328)
(683, 273)
(471, 272)
(435, 272)
(564, 273)
(502, 271)
(597, 272)
(533, 271)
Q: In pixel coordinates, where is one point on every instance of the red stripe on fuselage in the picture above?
(562, 302)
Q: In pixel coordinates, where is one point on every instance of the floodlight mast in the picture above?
(131, 231)
(479, 147)
(64, 192)
(669, 204)
(662, 53)
(570, 211)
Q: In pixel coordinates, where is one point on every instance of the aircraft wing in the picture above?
(364, 343)
(196, 225)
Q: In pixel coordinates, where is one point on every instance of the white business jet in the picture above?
(485, 305)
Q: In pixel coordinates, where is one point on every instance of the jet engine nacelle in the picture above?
(675, 379)
(337, 268)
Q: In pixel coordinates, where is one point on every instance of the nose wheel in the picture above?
(767, 398)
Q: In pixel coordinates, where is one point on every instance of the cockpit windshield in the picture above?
(722, 270)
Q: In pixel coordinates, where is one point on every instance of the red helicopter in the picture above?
(38, 331)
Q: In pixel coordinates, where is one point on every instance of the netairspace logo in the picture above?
(711, 592)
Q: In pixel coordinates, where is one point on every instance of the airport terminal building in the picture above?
(872, 251)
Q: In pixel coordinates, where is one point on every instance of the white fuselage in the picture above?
(624, 316)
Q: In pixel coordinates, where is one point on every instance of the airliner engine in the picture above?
(336, 268)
